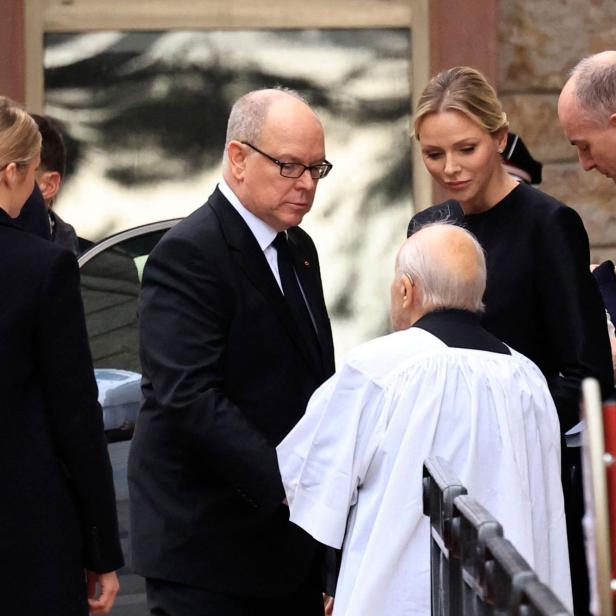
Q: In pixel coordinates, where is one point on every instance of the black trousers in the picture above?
(172, 599)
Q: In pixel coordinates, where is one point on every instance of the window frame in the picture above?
(43, 16)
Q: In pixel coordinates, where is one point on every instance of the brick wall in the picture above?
(539, 41)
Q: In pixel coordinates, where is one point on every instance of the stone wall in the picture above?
(539, 42)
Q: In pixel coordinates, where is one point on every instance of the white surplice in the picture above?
(352, 467)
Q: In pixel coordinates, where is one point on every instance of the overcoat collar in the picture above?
(7, 221)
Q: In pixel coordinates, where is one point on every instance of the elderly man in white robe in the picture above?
(440, 385)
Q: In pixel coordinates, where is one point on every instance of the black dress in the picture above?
(541, 298)
(58, 512)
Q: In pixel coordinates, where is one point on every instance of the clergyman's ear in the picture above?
(407, 288)
(612, 120)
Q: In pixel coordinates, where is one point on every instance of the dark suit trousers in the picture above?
(171, 599)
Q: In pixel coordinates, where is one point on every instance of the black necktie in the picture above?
(293, 294)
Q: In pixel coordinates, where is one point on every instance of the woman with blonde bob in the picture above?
(540, 297)
(58, 527)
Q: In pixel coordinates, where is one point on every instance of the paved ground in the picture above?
(131, 600)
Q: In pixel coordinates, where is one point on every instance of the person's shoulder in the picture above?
(195, 224)
(195, 245)
(449, 211)
(517, 359)
(548, 217)
(539, 204)
(381, 357)
(23, 242)
(31, 255)
(199, 229)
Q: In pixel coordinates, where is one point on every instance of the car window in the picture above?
(110, 282)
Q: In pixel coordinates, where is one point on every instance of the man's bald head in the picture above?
(592, 87)
(440, 266)
(250, 111)
(587, 112)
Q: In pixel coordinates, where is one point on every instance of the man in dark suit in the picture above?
(234, 339)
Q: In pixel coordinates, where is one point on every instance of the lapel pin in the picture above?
(306, 263)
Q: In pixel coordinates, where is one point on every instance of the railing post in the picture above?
(477, 527)
(440, 488)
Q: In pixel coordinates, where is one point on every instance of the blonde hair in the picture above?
(462, 89)
(20, 139)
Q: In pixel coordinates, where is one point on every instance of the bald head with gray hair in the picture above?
(249, 112)
(587, 112)
(593, 80)
(446, 267)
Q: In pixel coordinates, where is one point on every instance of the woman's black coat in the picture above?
(57, 507)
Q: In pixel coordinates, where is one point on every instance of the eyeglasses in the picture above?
(295, 170)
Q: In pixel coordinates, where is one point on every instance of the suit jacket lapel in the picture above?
(308, 273)
(252, 260)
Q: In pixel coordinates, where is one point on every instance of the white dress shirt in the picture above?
(264, 234)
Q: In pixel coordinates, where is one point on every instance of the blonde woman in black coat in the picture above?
(58, 527)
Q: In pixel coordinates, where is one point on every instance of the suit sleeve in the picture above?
(186, 312)
(75, 416)
(574, 313)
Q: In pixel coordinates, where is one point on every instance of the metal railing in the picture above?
(475, 571)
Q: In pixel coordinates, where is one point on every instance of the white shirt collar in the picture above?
(264, 234)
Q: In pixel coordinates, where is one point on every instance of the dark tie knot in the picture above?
(280, 241)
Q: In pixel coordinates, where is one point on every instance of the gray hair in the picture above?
(249, 112)
(595, 85)
(443, 280)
